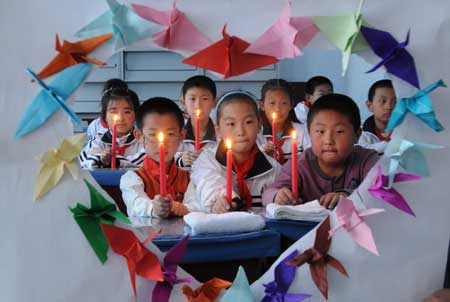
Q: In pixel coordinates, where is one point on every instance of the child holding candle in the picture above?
(334, 165)
(315, 88)
(276, 104)
(252, 170)
(198, 99)
(160, 122)
(122, 104)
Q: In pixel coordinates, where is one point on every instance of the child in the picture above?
(99, 126)
(140, 188)
(276, 99)
(315, 88)
(334, 165)
(198, 93)
(122, 103)
(237, 120)
(381, 103)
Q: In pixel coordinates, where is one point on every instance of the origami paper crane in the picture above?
(73, 53)
(239, 290)
(89, 220)
(420, 105)
(120, 19)
(207, 292)
(408, 155)
(284, 38)
(277, 290)
(227, 57)
(52, 97)
(344, 32)
(317, 257)
(352, 221)
(140, 260)
(55, 161)
(397, 60)
(162, 290)
(180, 33)
(380, 190)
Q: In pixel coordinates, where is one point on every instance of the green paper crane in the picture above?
(344, 32)
(89, 220)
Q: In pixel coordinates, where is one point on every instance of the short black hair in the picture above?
(339, 103)
(118, 94)
(114, 83)
(313, 82)
(236, 96)
(379, 84)
(199, 81)
(159, 105)
(277, 84)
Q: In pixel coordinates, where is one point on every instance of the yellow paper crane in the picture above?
(54, 162)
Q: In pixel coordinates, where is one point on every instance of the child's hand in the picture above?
(162, 206)
(189, 157)
(105, 157)
(221, 205)
(284, 196)
(442, 295)
(269, 148)
(331, 199)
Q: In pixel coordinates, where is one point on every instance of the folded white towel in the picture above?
(310, 211)
(232, 222)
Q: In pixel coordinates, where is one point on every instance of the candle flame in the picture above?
(197, 112)
(115, 118)
(274, 115)
(161, 137)
(294, 134)
(228, 143)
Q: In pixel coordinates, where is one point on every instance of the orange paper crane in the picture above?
(207, 292)
(73, 53)
(227, 57)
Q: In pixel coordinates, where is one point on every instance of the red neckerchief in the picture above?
(278, 154)
(242, 170)
(307, 104)
(380, 136)
(152, 167)
(103, 123)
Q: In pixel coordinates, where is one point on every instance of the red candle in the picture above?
(114, 143)
(274, 128)
(229, 170)
(162, 166)
(294, 168)
(197, 130)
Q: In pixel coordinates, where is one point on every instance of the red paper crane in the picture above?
(227, 57)
(73, 53)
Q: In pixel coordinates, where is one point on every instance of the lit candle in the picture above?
(197, 130)
(294, 173)
(229, 170)
(274, 128)
(114, 143)
(162, 166)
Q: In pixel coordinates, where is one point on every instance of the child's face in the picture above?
(276, 101)
(382, 104)
(198, 98)
(332, 138)
(319, 91)
(239, 123)
(153, 124)
(125, 116)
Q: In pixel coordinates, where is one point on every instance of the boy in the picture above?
(315, 88)
(334, 165)
(381, 101)
(140, 188)
(198, 93)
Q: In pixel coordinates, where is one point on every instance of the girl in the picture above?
(237, 120)
(122, 104)
(276, 102)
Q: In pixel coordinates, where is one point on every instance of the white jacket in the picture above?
(132, 158)
(369, 139)
(96, 127)
(303, 140)
(133, 194)
(301, 112)
(208, 178)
